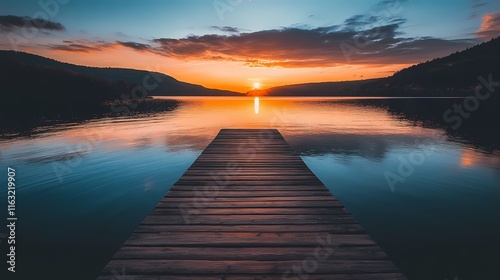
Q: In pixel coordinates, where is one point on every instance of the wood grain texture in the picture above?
(250, 208)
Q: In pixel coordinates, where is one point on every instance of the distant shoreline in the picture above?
(249, 97)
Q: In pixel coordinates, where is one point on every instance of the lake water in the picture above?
(429, 194)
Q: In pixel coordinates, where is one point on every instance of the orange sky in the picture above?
(219, 74)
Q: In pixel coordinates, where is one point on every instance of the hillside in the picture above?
(453, 75)
(33, 87)
(30, 90)
(349, 88)
(167, 87)
(459, 70)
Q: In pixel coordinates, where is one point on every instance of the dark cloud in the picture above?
(227, 29)
(86, 46)
(385, 4)
(319, 47)
(134, 45)
(383, 13)
(490, 27)
(80, 46)
(478, 5)
(357, 21)
(10, 23)
(472, 15)
(371, 38)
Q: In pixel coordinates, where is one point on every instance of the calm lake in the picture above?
(427, 192)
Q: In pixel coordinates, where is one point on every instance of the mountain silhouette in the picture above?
(31, 85)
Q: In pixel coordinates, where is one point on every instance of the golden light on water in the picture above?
(256, 105)
(467, 158)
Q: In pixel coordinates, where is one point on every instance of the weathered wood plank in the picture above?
(333, 229)
(236, 194)
(246, 253)
(256, 211)
(370, 276)
(222, 182)
(207, 267)
(243, 203)
(207, 197)
(255, 188)
(194, 218)
(245, 239)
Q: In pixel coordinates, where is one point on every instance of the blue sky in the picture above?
(179, 18)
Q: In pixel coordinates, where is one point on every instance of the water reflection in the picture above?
(118, 168)
(256, 105)
(369, 128)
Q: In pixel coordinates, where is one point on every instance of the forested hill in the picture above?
(453, 75)
(167, 85)
(458, 70)
(34, 86)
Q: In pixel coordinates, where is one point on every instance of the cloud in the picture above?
(10, 23)
(87, 46)
(317, 47)
(478, 5)
(390, 3)
(81, 46)
(357, 21)
(227, 29)
(135, 46)
(372, 38)
(490, 27)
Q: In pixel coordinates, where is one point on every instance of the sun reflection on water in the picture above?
(256, 105)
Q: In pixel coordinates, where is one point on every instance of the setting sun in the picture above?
(256, 85)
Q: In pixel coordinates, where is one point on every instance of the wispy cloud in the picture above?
(10, 23)
(227, 29)
(134, 45)
(476, 6)
(87, 46)
(390, 3)
(490, 27)
(358, 21)
(80, 46)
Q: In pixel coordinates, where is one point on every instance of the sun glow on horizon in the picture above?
(228, 75)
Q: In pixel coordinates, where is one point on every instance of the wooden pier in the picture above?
(250, 208)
